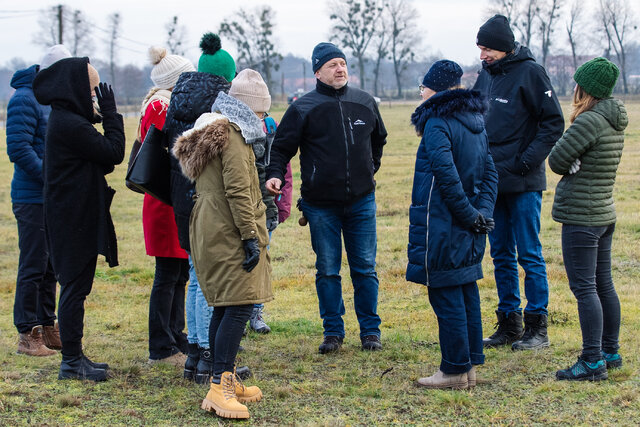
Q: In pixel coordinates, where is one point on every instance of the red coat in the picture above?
(158, 221)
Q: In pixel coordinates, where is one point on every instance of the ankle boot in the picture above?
(246, 394)
(535, 333)
(509, 330)
(32, 343)
(222, 398)
(78, 367)
(193, 356)
(204, 369)
(443, 381)
(51, 337)
(95, 364)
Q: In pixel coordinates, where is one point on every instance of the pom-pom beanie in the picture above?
(167, 68)
(214, 59)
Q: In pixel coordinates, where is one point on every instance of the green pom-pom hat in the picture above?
(215, 60)
(597, 77)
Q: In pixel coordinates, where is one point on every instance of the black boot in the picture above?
(535, 333)
(79, 368)
(193, 356)
(204, 369)
(96, 365)
(509, 330)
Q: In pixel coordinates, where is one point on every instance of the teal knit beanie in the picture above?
(214, 60)
(597, 77)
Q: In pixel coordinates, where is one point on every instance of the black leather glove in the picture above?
(106, 98)
(483, 225)
(252, 254)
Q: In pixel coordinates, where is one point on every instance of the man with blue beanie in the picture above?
(340, 135)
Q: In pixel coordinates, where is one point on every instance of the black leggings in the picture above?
(225, 332)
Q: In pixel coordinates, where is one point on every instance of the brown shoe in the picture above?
(51, 336)
(32, 344)
(177, 359)
(443, 381)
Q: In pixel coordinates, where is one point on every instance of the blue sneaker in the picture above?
(584, 371)
(612, 360)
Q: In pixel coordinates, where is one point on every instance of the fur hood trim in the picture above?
(196, 147)
(446, 104)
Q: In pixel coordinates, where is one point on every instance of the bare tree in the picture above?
(573, 25)
(381, 43)
(508, 8)
(525, 20)
(252, 33)
(616, 17)
(404, 37)
(80, 42)
(114, 32)
(176, 36)
(549, 12)
(354, 26)
(61, 25)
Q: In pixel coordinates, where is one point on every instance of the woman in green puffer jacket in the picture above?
(587, 156)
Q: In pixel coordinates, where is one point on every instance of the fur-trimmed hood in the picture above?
(467, 106)
(196, 147)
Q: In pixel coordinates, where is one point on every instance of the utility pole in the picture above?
(60, 24)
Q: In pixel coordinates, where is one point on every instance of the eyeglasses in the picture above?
(422, 88)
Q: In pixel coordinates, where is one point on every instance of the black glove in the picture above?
(252, 254)
(106, 98)
(483, 225)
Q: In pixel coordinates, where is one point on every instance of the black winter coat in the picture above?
(77, 157)
(340, 135)
(523, 122)
(192, 96)
(455, 180)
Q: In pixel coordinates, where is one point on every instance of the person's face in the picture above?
(489, 55)
(334, 73)
(426, 93)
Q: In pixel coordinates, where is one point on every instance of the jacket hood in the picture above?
(520, 54)
(613, 110)
(24, 77)
(65, 85)
(194, 94)
(467, 106)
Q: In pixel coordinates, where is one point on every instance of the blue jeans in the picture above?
(198, 311)
(459, 325)
(356, 222)
(515, 240)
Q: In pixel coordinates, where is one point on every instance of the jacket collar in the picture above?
(325, 89)
(448, 103)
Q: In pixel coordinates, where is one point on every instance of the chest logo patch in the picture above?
(358, 123)
(501, 100)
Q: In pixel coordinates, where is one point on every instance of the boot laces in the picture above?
(228, 386)
(237, 379)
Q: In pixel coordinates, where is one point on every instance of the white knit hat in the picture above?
(249, 88)
(167, 68)
(54, 54)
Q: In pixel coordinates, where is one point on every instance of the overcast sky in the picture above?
(447, 27)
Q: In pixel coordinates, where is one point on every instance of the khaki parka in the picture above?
(228, 209)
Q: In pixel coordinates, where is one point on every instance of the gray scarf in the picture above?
(239, 113)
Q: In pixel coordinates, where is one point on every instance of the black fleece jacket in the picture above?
(340, 135)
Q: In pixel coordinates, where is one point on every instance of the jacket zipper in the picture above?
(346, 146)
(426, 246)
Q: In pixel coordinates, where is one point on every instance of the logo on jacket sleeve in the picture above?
(358, 123)
(548, 93)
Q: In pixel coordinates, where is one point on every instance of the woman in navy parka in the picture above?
(454, 191)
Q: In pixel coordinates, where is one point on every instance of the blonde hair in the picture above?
(582, 101)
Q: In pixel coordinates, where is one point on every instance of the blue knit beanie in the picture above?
(324, 52)
(442, 75)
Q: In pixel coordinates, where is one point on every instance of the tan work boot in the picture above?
(246, 394)
(472, 377)
(442, 381)
(222, 399)
(177, 360)
(51, 336)
(32, 344)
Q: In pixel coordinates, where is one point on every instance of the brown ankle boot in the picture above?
(51, 336)
(32, 343)
(222, 399)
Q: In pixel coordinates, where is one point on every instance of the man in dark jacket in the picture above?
(523, 122)
(340, 134)
(76, 195)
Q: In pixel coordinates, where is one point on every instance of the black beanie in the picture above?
(442, 75)
(324, 52)
(496, 34)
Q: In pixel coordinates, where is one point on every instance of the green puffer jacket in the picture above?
(596, 137)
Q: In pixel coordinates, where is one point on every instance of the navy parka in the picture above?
(454, 180)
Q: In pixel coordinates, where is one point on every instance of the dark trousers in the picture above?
(71, 309)
(166, 308)
(35, 300)
(586, 252)
(225, 332)
(460, 326)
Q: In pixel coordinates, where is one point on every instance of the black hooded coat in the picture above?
(77, 157)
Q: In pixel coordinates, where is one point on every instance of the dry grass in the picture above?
(302, 387)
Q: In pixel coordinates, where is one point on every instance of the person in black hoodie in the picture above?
(524, 120)
(77, 198)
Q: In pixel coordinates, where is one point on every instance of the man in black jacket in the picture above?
(523, 123)
(340, 134)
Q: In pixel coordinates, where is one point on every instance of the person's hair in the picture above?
(582, 102)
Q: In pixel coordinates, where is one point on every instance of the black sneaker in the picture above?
(371, 343)
(584, 371)
(330, 344)
(612, 360)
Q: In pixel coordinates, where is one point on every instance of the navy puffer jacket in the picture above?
(26, 128)
(454, 180)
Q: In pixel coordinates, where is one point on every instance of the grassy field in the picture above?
(302, 387)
